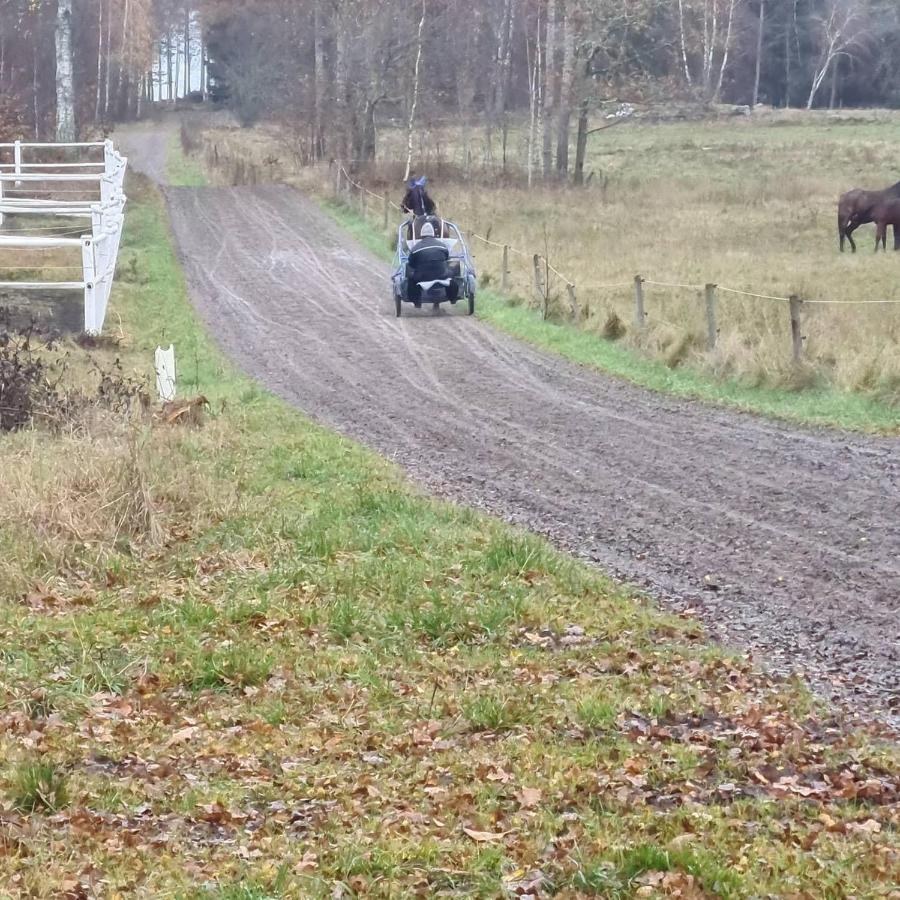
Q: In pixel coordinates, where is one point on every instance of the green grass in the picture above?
(320, 681)
(825, 407)
(182, 169)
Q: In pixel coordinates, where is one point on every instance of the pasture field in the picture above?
(748, 204)
(244, 659)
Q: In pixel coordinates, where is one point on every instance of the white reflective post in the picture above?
(90, 287)
(165, 373)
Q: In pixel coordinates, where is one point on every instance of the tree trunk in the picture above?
(99, 60)
(534, 97)
(415, 98)
(835, 74)
(122, 84)
(203, 79)
(170, 93)
(787, 65)
(759, 49)
(581, 143)
(65, 84)
(549, 88)
(726, 50)
(108, 79)
(566, 90)
(177, 63)
(35, 100)
(684, 59)
(187, 49)
(318, 135)
(341, 82)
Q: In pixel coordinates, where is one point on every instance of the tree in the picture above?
(842, 28)
(65, 79)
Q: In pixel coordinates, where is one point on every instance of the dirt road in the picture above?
(785, 541)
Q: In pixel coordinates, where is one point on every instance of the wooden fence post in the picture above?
(573, 300)
(337, 183)
(712, 332)
(640, 320)
(796, 337)
(539, 286)
(387, 213)
(504, 272)
(363, 202)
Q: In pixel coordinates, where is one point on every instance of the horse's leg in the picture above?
(849, 232)
(841, 230)
(897, 236)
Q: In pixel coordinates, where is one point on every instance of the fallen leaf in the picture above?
(484, 837)
(529, 797)
(183, 734)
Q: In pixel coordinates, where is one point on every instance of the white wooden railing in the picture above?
(99, 242)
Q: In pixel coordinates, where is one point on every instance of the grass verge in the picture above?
(319, 683)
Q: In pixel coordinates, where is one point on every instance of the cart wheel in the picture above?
(398, 303)
(471, 304)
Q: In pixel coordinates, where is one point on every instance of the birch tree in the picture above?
(842, 28)
(65, 78)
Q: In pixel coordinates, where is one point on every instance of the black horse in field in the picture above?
(857, 208)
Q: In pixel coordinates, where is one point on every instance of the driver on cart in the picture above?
(428, 261)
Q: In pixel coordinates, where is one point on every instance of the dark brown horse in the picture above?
(855, 209)
(886, 213)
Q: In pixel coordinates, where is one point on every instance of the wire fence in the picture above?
(542, 270)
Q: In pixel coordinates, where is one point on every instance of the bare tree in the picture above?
(415, 94)
(842, 28)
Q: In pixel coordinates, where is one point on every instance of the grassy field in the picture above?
(747, 205)
(245, 659)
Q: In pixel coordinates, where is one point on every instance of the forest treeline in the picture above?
(335, 70)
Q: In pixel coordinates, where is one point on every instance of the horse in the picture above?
(886, 213)
(855, 209)
(423, 209)
(416, 199)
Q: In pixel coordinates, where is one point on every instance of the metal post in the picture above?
(796, 337)
(18, 157)
(640, 320)
(504, 274)
(712, 331)
(90, 286)
(1, 200)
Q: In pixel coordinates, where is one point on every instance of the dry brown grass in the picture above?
(99, 497)
(749, 205)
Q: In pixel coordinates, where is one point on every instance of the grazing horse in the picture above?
(855, 209)
(886, 213)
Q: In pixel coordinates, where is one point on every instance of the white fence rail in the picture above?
(99, 241)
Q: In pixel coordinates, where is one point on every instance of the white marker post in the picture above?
(165, 373)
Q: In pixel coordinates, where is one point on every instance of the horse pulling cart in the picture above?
(459, 281)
